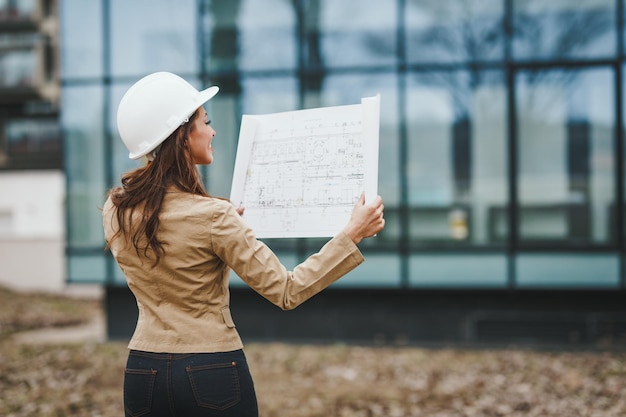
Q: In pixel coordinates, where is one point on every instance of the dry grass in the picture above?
(359, 381)
(61, 380)
(85, 379)
(19, 311)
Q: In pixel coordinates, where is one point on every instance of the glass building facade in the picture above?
(502, 124)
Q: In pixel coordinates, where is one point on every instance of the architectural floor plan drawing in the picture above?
(299, 173)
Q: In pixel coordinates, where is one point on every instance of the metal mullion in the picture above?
(300, 32)
(512, 241)
(403, 210)
(562, 64)
(106, 111)
(299, 5)
(619, 145)
(203, 71)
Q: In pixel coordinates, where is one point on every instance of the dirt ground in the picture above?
(84, 377)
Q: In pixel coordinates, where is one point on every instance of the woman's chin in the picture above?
(204, 161)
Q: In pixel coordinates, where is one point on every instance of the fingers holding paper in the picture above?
(366, 219)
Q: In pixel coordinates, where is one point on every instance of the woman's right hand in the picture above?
(366, 219)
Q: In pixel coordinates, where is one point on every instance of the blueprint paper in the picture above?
(299, 173)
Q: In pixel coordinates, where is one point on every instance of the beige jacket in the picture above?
(184, 301)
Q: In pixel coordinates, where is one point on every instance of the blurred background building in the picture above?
(501, 151)
(32, 184)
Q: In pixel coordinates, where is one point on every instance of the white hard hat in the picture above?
(154, 107)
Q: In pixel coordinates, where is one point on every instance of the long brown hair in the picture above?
(143, 189)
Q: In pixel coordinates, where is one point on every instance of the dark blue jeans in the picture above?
(188, 384)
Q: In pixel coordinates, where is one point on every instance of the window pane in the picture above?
(454, 30)
(224, 111)
(565, 127)
(18, 68)
(564, 28)
(33, 136)
(383, 271)
(87, 269)
(567, 270)
(453, 271)
(153, 35)
(340, 34)
(338, 90)
(119, 158)
(84, 164)
(11, 10)
(623, 51)
(81, 37)
(457, 172)
(250, 35)
(262, 95)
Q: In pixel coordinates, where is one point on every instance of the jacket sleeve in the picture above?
(255, 263)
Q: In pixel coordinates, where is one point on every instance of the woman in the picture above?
(176, 245)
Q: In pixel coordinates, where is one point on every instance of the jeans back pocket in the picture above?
(215, 386)
(138, 388)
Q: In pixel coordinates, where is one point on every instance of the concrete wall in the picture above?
(32, 204)
(32, 264)
(32, 230)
